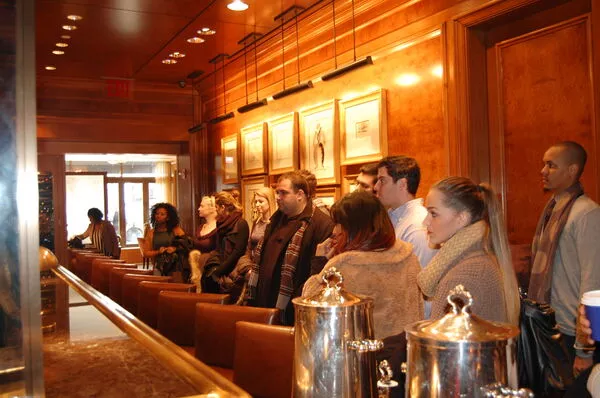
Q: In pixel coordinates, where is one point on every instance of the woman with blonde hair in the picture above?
(205, 240)
(263, 207)
(466, 221)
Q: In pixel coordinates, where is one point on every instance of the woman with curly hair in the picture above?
(164, 237)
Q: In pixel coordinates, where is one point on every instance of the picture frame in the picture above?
(349, 183)
(283, 143)
(249, 186)
(329, 195)
(254, 149)
(363, 128)
(319, 142)
(229, 159)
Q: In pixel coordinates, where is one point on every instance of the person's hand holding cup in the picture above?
(590, 315)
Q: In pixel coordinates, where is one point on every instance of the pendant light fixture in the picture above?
(196, 127)
(246, 41)
(356, 63)
(220, 57)
(237, 5)
(299, 86)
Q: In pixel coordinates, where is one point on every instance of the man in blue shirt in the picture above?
(398, 179)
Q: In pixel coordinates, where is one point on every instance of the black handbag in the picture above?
(543, 358)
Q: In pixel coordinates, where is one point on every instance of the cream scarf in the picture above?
(464, 240)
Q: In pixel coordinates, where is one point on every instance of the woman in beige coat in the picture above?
(365, 250)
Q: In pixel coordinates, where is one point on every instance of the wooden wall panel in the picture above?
(546, 92)
(414, 107)
(92, 110)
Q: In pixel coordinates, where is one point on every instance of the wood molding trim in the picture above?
(594, 44)
(58, 147)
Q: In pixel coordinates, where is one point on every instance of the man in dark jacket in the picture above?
(288, 247)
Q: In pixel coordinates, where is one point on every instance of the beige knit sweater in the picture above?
(463, 261)
(389, 277)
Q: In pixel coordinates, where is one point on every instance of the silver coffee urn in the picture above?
(462, 355)
(335, 346)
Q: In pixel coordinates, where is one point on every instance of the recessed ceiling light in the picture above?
(237, 5)
(169, 61)
(73, 17)
(176, 54)
(66, 37)
(58, 52)
(195, 40)
(69, 27)
(206, 32)
(62, 45)
(50, 67)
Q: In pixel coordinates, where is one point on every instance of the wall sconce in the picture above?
(258, 103)
(226, 115)
(355, 64)
(299, 86)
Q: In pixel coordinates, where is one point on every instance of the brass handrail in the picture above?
(198, 375)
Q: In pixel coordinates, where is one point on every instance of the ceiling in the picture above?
(129, 38)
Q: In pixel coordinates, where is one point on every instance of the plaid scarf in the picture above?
(288, 269)
(545, 242)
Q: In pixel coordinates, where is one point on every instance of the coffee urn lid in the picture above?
(332, 293)
(459, 325)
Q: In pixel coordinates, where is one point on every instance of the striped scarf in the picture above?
(288, 269)
(545, 242)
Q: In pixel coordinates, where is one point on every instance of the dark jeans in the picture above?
(579, 387)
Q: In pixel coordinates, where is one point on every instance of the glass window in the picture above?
(133, 196)
(84, 191)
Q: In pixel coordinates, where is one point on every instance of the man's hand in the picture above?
(581, 364)
(584, 326)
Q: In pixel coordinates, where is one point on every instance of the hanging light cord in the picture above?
(297, 47)
(283, 51)
(334, 37)
(246, 71)
(353, 33)
(255, 68)
(223, 74)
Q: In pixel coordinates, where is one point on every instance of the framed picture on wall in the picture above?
(229, 159)
(363, 128)
(349, 183)
(283, 143)
(249, 186)
(319, 142)
(254, 149)
(328, 195)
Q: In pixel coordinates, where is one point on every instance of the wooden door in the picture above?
(540, 93)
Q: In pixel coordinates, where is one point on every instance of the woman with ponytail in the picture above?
(465, 220)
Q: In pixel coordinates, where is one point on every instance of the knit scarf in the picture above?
(545, 242)
(288, 269)
(451, 252)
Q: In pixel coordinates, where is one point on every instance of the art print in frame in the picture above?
(254, 149)
(363, 128)
(328, 195)
(349, 184)
(319, 142)
(283, 143)
(229, 159)
(249, 186)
